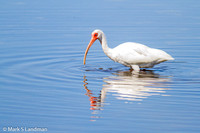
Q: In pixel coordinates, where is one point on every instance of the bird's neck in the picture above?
(104, 45)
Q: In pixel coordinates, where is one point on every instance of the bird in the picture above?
(130, 54)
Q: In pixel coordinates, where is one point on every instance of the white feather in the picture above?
(130, 53)
(133, 55)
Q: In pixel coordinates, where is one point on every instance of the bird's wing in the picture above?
(133, 53)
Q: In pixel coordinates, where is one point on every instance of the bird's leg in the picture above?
(135, 68)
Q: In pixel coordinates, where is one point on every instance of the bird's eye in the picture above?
(95, 34)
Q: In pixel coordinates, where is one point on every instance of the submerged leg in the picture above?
(135, 68)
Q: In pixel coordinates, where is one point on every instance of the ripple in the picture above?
(38, 78)
(50, 65)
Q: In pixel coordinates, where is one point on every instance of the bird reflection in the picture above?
(127, 86)
(95, 102)
(124, 85)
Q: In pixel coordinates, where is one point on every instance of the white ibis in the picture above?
(130, 54)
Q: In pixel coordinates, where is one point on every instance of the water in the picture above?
(44, 84)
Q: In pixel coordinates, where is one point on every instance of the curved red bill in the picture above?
(88, 47)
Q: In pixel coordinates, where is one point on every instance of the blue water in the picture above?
(44, 84)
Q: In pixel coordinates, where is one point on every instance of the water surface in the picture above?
(43, 81)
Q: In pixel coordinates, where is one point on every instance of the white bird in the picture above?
(130, 54)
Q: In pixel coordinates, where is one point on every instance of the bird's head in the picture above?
(96, 34)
